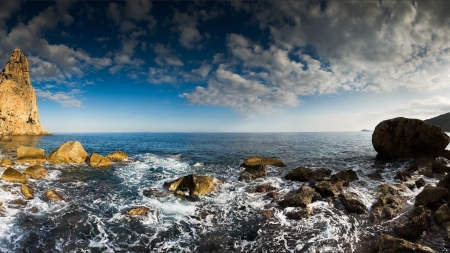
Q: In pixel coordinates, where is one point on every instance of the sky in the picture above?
(231, 66)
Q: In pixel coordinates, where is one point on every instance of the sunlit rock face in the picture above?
(18, 105)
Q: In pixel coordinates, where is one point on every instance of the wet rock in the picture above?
(303, 174)
(5, 162)
(352, 202)
(139, 210)
(36, 172)
(264, 188)
(27, 192)
(69, 152)
(403, 137)
(196, 184)
(376, 175)
(402, 176)
(442, 214)
(30, 155)
(328, 189)
(252, 172)
(445, 182)
(441, 165)
(304, 196)
(299, 213)
(6, 138)
(51, 196)
(430, 195)
(447, 228)
(389, 244)
(344, 177)
(96, 160)
(117, 156)
(33, 209)
(426, 170)
(268, 213)
(420, 183)
(389, 202)
(153, 192)
(18, 203)
(13, 176)
(416, 222)
(256, 160)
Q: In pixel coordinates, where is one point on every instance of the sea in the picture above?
(92, 219)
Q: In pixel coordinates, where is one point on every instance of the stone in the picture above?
(389, 244)
(303, 174)
(18, 104)
(52, 196)
(299, 213)
(96, 160)
(402, 176)
(447, 228)
(117, 156)
(444, 182)
(27, 192)
(13, 176)
(408, 138)
(5, 162)
(414, 223)
(304, 196)
(441, 165)
(442, 214)
(153, 192)
(344, 177)
(69, 152)
(138, 211)
(30, 155)
(196, 184)
(420, 182)
(352, 202)
(430, 195)
(264, 188)
(256, 160)
(36, 172)
(328, 189)
(6, 138)
(253, 172)
(268, 213)
(376, 175)
(389, 202)
(33, 209)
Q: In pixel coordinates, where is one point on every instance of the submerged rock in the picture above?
(344, 177)
(117, 156)
(13, 176)
(420, 182)
(153, 192)
(140, 210)
(256, 160)
(352, 202)
(52, 195)
(30, 155)
(389, 244)
(5, 162)
(268, 213)
(299, 213)
(96, 160)
(255, 167)
(441, 165)
(303, 174)
(376, 175)
(36, 172)
(196, 184)
(430, 195)
(442, 214)
(304, 196)
(402, 176)
(403, 137)
(27, 192)
(69, 152)
(264, 188)
(414, 224)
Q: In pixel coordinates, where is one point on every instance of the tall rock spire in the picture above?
(18, 105)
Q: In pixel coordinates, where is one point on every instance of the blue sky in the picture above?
(238, 66)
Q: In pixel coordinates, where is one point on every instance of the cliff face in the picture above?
(442, 121)
(18, 105)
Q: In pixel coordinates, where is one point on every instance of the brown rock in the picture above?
(402, 176)
(328, 189)
(303, 174)
(18, 105)
(27, 192)
(446, 225)
(5, 162)
(414, 224)
(30, 155)
(13, 176)
(53, 196)
(140, 210)
(402, 137)
(69, 152)
(376, 175)
(256, 160)
(344, 177)
(352, 202)
(389, 244)
(197, 185)
(34, 209)
(299, 213)
(304, 196)
(430, 195)
(253, 172)
(389, 202)
(441, 165)
(268, 213)
(153, 192)
(36, 172)
(117, 156)
(445, 182)
(442, 214)
(6, 138)
(96, 160)
(264, 188)
(420, 182)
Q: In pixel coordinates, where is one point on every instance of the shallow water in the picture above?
(229, 220)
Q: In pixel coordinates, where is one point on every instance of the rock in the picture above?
(18, 203)
(268, 213)
(117, 156)
(5, 162)
(30, 155)
(13, 176)
(420, 182)
(299, 213)
(344, 177)
(96, 160)
(389, 244)
(53, 196)
(352, 202)
(256, 160)
(140, 210)
(430, 195)
(376, 175)
(18, 105)
(69, 152)
(447, 228)
(6, 138)
(442, 214)
(441, 165)
(303, 174)
(264, 188)
(196, 184)
(426, 170)
(402, 176)
(402, 137)
(304, 196)
(253, 172)
(389, 202)
(153, 192)
(36, 172)
(33, 209)
(415, 223)
(27, 192)
(445, 182)
(328, 189)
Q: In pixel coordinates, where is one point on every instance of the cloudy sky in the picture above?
(245, 66)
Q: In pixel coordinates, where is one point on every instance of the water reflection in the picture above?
(9, 148)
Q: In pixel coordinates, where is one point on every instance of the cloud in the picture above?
(161, 76)
(165, 56)
(65, 99)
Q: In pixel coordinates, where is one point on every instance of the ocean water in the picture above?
(228, 220)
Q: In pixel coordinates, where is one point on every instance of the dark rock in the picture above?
(441, 165)
(268, 213)
(303, 174)
(389, 202)
(352, 202)
(426, 170)
(442, 214)
(430, 195)
(304, 196)
(416, 222)
(420, 182)
(445, 182)
(344, 177)
(376, 175)
(328, 189)
(402, 137)
(402, 176)
(153, 192)
(253, 172)
(389, 244)
(264, 188)
(196, 184)
(299, 213)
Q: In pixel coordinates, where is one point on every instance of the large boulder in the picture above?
(36, 172)
(196, 184)
(430, 195)
(30, 155)
(117, 156)
(13, 176)
(389, 244)
(304, 196)
(255, 167)
(69, 152)
(442, 214)
(352, 202)
(414, 223)
(303, 174)
(402, 137)
(96, 160)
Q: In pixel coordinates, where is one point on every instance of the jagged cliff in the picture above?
(18, 105)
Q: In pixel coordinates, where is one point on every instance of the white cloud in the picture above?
(161, 76)
(203, 70)
(65, 99)
(165, 56)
